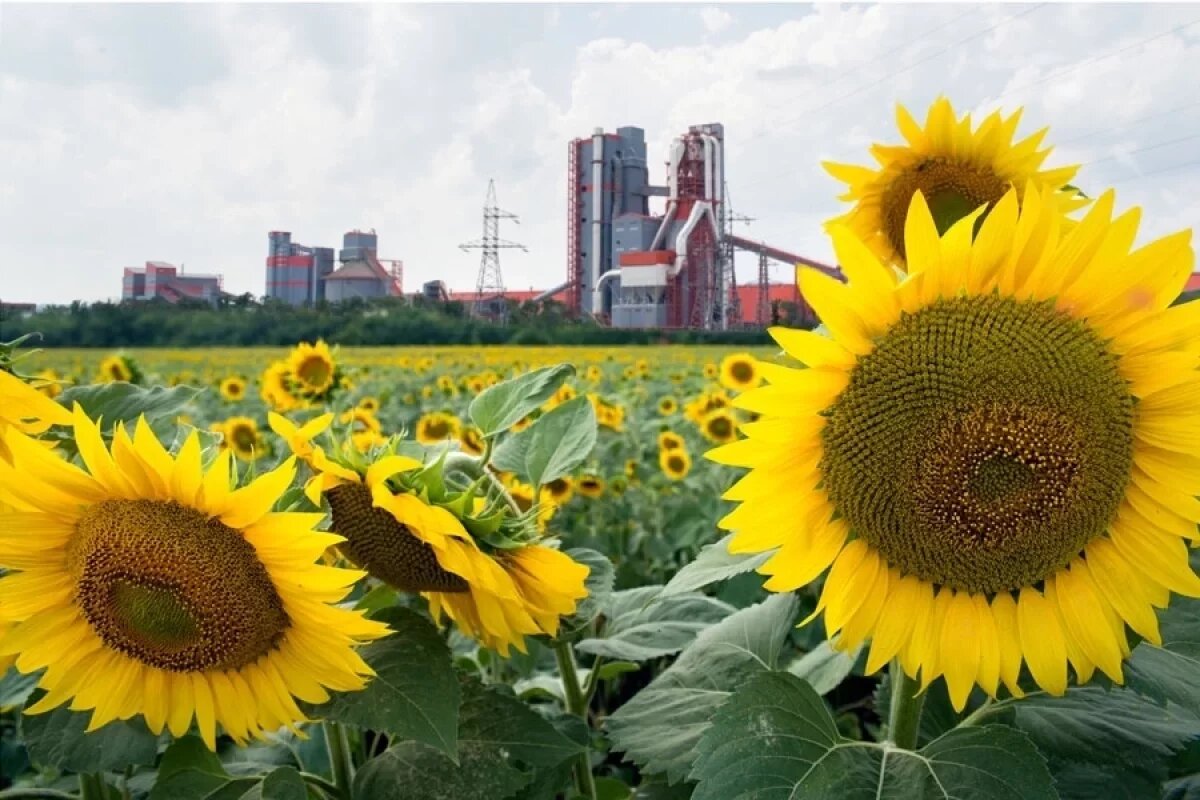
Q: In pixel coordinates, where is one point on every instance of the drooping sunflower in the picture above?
(233, 389)
(25, 408)
(115, 369)
(956, 168)
(437, 426)
(148, 585)
(720, 426)
(995, 456)
(675, 464)
(240, 434)
(497, 597)
(312, 368)
(590, 486)
(739, 372)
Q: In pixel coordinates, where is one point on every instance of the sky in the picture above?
(184, 133)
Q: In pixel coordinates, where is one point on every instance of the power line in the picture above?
(970, 10)
(1095, 59)
(1154, 172)
(1155, 146)
(1129, 124)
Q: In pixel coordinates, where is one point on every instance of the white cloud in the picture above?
(715, 19)
(394, 117)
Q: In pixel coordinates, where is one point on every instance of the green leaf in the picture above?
(499, 407)
(654, 626)
(660, 727)
(1187, 788)
(611, 669)
(1090, 725)
(776, 740)
(714, 563)
(284, 783)
(414, 694)
(189, 752)
(1169, 672)
(194, 784)
(498, 736)
(612, 789)
(15, 687)
(824, 668)
(57, 738)
(551, 447)
(599, 584)
(125, 402)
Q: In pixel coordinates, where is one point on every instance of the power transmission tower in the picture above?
(490, 244)
(729, 274)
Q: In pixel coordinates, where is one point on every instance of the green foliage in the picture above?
(824, 668)
(551, 447)
(499, 407)
(776, 740)
(414, 695)
(640, 625)
(714, 563)
(661, 726)
(57, 738)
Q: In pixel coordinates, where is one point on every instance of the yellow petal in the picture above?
(1042, 641)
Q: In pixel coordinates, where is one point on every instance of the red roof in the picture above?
(1193, 283)
(518, 295)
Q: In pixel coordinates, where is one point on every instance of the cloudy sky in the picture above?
(185, 133)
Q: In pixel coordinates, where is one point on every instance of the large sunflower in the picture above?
(956, 168)
(25, 408)
(312, 368)
(996, 454)
(147, 585)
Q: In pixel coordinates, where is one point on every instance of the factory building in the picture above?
(301, 275)
(163, 281)
(295, 272)
(635, 270)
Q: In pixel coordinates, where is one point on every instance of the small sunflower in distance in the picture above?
(312, 369)
(956, 169)
(667, 406)
(675, 464)
(154, 587)
(558, 491)
(995, 456)
(233, 389)
(370, 404)
(471, 440)
(437, 426)
(116, 369)
(590, 486)
(240, 434)
(719, 426)
(669, 440)
(739, 372)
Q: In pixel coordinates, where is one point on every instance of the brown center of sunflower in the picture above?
(951, 189)
(675, 464)
(558, 487)
(172, 588)
(244, 438)
(982, 443)
(315, 371)
(721, 427)
(384, 547)
(437, 428)
(742, 371)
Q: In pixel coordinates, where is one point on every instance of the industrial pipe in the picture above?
(597, 205)
(677, 148)
(597, 297)
(700, 209)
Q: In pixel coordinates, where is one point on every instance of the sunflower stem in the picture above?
(577, 704)
(340, 759)
(327, 788)
(904, 715)
(38, 794)
(91, 787)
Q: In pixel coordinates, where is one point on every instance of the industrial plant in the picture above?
(624, 266)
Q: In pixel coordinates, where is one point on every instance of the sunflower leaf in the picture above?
(499, 737)
(1168, 673)
(414, 695)
(775, 739)
(284, 783)
(654, 626)
(125, 402)
(714, 563)
(551, 447)
(660, 727)
(824, 668)
(57, 738)
(499, 407)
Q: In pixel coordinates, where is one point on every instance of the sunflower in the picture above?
(360, 419)
(593, 374)
(631, 469)
(115, 369)
(957, 170)
(370, 404)
(240, 434)
(312, 368)
(669, 440)
(667, 406)
(233, 389)
(558, 491)
(416, 546)
(275, 390)
(25, 408)
(522, 495)
(48, 383)
(445, 384)
(675, 464)
(590, 486)
(521, 424)
(739, 372)
(471, 440)
(152, 587)
(561, 395)
(711, 371)
(437, 426)
(996, 454)
(720, 426)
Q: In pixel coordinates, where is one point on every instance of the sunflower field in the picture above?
(942, 546)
